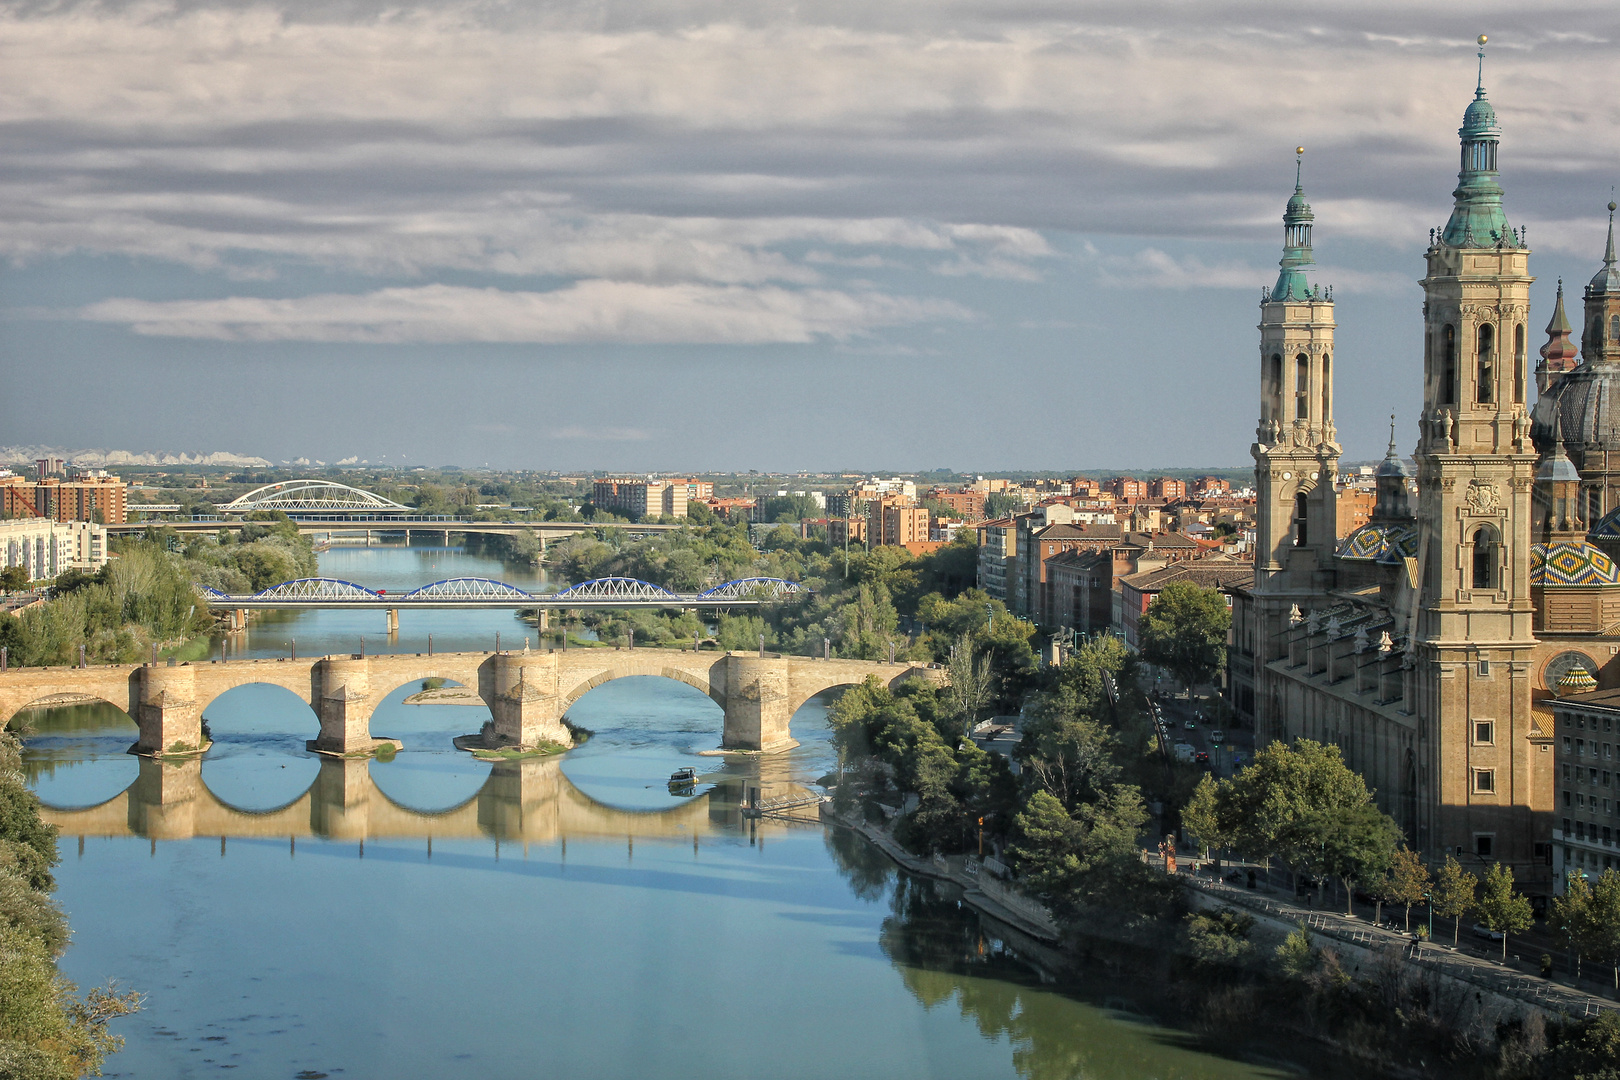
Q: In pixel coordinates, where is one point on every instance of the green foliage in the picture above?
(1408, 882)
(1501, 908)
(1201, 816)
(13, 578)
(45, 1030)
(1184, 632)
(1220, 939)
(1586, 1050)
(1086, 859)
(1295, 955)
(911, 735)
(999, 504)
(1453, 893)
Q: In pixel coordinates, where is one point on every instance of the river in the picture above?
(369, 920)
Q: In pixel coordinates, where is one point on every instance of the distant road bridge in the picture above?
(528, 694)
(326, 506)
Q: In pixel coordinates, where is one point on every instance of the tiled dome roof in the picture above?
(1566, 564)
(1377, 539)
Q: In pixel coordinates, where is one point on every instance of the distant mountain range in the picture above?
(111, 458)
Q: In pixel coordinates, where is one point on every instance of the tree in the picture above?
(13, 578)
(1357, 843)
(970, 686)
(1453, 894)
(1275, 807)
(1184, 632)
(1602, 922)
(1408, 881)
(1201, 816)
(1570, 913)
(1499, 907)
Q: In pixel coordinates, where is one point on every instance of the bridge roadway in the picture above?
(528, 693)
(544, 531)
(527, 801)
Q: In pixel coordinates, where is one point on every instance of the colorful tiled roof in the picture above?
(1608, 526)
(1564, 565)
(1376, 538)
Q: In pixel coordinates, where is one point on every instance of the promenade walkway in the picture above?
(1515, 980)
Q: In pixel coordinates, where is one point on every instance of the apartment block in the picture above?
(642, 498)
(47, 548)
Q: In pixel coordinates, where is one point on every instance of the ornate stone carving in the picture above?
(1482, 496)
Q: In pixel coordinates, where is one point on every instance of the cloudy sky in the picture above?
(709, 234)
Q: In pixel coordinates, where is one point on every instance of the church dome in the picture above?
(1380, 541)
(1479, 118)
(1583, 402)
(1569, 565)
(1607, 527)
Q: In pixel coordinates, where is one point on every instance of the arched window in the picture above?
(1484, 558)
(1327, 387)
(1301, 534)
(1594, 504)
(1485, 375)
(1518, 364)
(1274, 387)
(1302, 387)
(1597, 332)
(1614, 327)
(1448, 366)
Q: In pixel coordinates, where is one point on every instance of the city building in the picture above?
(1463, 655)
(642, 498)
(891, 521)
(846, 532)
(47, 548)
(1137, 591)
(1167, 488)
(93, 496)
(998, 547)
(964, 502)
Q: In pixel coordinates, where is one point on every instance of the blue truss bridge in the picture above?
(477, 592)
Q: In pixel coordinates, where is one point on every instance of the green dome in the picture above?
(1480, 118)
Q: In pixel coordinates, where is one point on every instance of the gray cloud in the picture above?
(586, 312)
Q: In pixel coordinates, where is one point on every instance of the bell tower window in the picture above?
(1302, 387)
(1614, 327)
(1518, 364)
(1448, 365)
(1274, 388)
(1327, 388)
(1485, 376)
(1301, 533)
(1484, 575)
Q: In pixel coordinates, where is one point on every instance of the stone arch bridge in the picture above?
(528, 693)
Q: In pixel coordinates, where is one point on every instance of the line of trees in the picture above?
(47, 1031)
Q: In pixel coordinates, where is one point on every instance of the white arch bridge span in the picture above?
(527, 693)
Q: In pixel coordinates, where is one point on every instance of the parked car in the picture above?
(1483, 931)
(1217, 736)
(1191, 725)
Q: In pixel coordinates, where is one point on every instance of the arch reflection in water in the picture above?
(527, 801)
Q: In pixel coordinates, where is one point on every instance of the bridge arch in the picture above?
(293, 496)
(699, 682)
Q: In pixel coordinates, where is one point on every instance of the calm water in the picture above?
(436, 916)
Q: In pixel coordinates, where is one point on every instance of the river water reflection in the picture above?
(437, 916)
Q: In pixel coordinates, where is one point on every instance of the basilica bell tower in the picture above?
(1296, 452)
(1472, 620)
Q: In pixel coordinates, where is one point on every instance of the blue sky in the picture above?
(710, 235)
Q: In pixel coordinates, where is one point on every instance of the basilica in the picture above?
(1462, 648)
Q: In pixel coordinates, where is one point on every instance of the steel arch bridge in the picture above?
(616, 588)
(477, 592)
(755, 588)
(468, 588)
(312, 496)
(323, 589)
